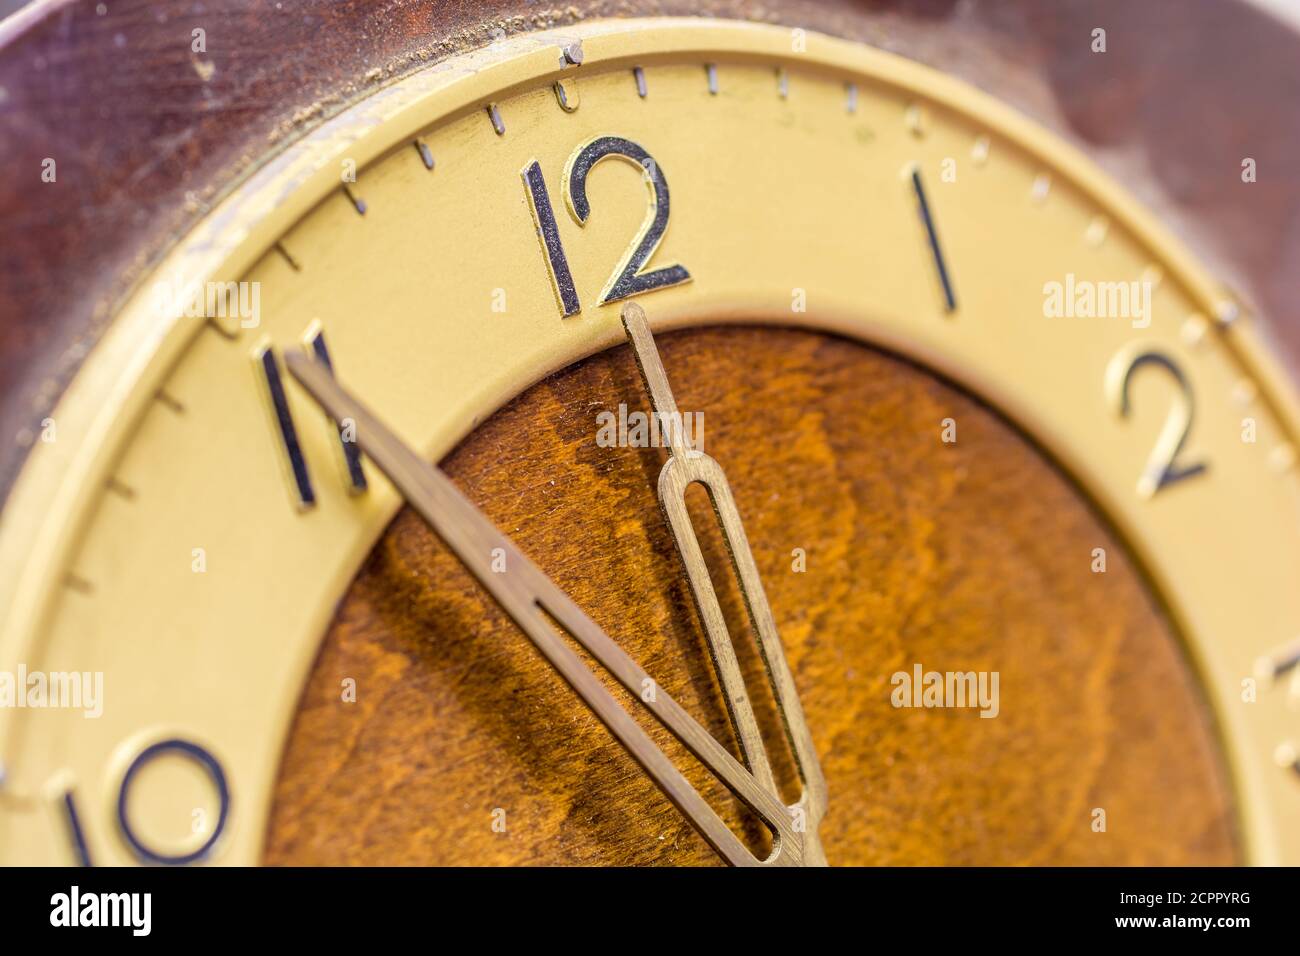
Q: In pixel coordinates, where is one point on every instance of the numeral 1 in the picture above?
(288, 432)
(932, 236)
(548, 230)
(76, 836)
(351, 451)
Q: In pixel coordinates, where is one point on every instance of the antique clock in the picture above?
(609, 437)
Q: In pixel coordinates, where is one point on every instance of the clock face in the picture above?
(947, 403)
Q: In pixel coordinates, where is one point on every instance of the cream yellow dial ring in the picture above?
(439, 303)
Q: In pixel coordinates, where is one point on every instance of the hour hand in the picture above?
(684, 467)
(537, 606)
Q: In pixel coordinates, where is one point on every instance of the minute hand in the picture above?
(683, 468)
(536, 604)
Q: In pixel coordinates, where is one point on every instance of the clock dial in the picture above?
(472, 229)
(461, 717)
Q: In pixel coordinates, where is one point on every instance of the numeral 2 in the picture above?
(1162, 468)
(627, 279)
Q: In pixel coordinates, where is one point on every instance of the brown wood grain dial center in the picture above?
(966, 556)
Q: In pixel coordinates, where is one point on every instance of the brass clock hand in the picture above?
(683, 468)
(536, 605)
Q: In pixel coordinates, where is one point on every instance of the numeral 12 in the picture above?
(627, 279)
